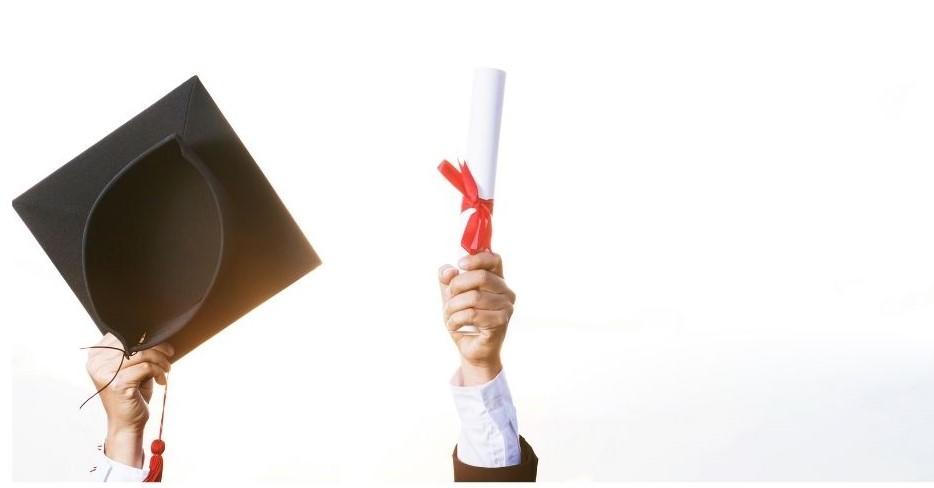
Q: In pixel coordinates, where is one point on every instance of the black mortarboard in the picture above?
(167, 230)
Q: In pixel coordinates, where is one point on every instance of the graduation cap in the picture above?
(166, 229)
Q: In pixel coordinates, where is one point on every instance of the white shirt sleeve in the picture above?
(106, 469)
(489, 435)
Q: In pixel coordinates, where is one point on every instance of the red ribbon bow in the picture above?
(479, 230)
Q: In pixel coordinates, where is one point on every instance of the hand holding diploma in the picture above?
(477, 296)
(475, 179)
(478, 306)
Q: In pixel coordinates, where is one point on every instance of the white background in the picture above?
(718, 218)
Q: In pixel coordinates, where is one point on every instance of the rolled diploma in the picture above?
(486, 110)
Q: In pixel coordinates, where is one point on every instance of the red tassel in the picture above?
(155, 462)
(158, 446)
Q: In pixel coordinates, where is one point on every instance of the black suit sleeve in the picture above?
(524, 471)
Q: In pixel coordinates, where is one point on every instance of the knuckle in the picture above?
(484, 278)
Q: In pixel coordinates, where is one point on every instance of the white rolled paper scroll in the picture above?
(486, 110)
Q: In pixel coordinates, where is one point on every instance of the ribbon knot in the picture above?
(479, 230)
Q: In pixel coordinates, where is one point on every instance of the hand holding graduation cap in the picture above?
(126, 398)
(165, 230)
(477, 296)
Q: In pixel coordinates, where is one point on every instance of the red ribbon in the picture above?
(479, 230)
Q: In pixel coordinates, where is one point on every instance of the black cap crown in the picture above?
(167, 229)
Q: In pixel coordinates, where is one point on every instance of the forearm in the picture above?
(474, 373)
(124, 445)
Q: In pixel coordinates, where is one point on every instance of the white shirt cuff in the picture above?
(489, 435)
(106, 469)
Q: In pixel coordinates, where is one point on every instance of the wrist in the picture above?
(480, 372)
(124, 444)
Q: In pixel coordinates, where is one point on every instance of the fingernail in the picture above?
(171, 350)
(464, 262)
